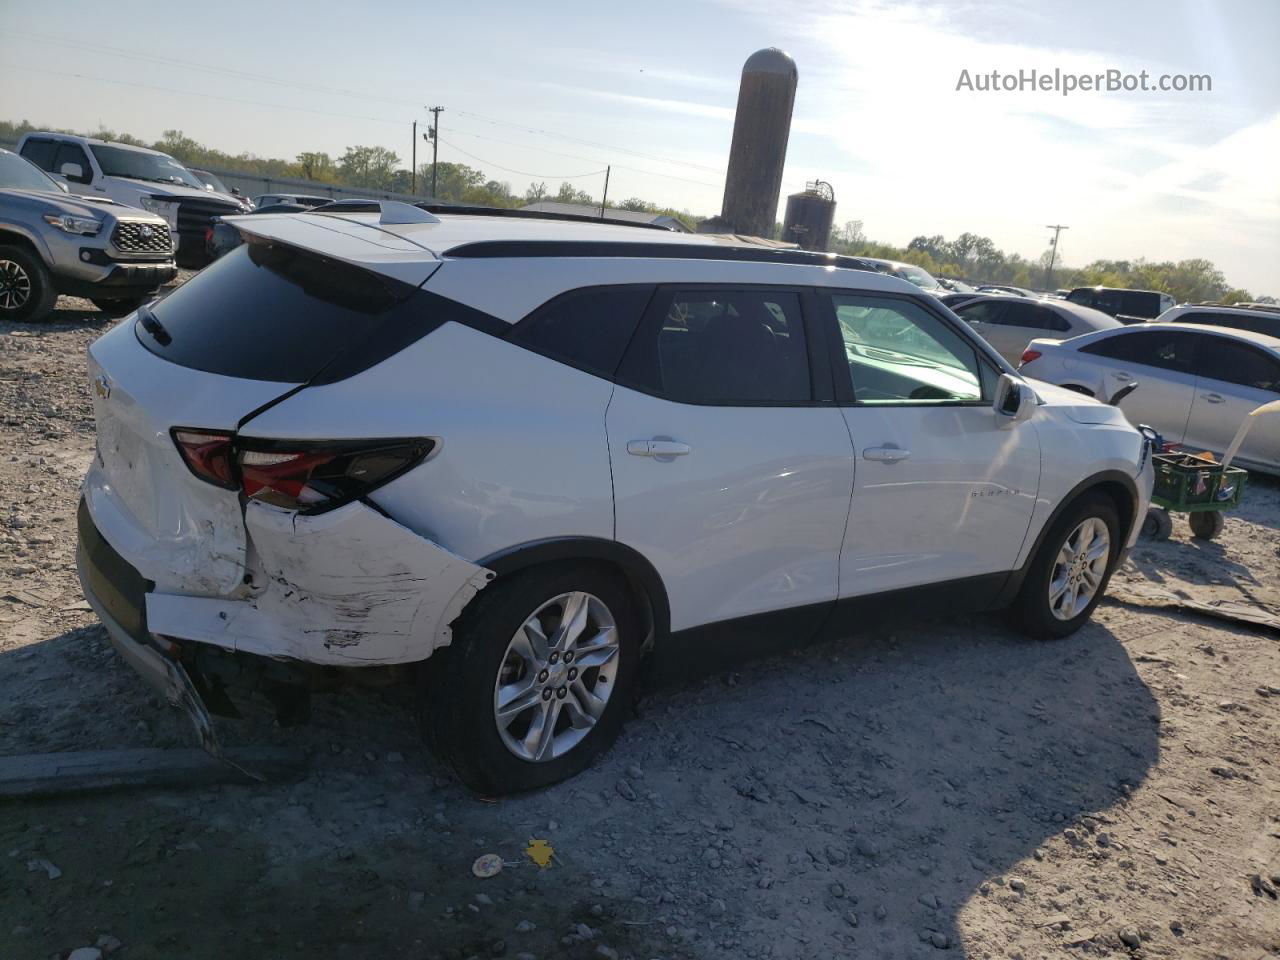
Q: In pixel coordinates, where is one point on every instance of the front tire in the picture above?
(1070, 573)
(26, 289)
(537, 682)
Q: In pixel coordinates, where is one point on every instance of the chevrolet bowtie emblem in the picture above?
(102, 386)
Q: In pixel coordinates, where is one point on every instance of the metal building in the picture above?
(761, 127)
(810, 215)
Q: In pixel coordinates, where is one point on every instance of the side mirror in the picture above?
(1015, 401)
(73, 171)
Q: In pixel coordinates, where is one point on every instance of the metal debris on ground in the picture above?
(540, 852)
(488, 865)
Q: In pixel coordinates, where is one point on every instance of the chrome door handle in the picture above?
(885, 454)
(1213, 397)
(1122, 377)
(657, 448)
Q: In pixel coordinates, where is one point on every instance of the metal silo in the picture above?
(810, 215)
(761, 127)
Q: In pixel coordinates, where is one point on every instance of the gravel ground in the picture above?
(934, 785)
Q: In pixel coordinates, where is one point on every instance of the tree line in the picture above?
(969, 256)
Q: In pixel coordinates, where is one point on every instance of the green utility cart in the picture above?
(1198, 487)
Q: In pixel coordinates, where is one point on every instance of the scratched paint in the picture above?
(348, 587)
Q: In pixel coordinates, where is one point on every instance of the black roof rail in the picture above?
(371, 206)
(656, 250)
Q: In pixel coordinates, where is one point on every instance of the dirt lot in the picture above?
(936, 784)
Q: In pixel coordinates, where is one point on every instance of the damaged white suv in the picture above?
(522, 453)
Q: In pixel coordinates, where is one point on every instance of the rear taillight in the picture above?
(306, 475)
(208, 454)
(1028, 355)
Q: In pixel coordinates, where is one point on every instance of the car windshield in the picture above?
(18, 174)
(919, 277)
(138, 165)
(210, 180)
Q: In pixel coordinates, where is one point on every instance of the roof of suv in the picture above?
(377, 242)
(1257, 339)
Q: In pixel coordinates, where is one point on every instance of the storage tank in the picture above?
(810, 215)
(761, 127)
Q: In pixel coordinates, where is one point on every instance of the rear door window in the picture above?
(588, 329)
(1166, 350)
(723, 346)
(984, 311)
(41, 153)
(277, 313)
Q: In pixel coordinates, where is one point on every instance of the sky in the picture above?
(555, 91)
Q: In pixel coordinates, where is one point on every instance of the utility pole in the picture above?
(435, 144)
(604, 198)
(413, 164)
(1057, 228)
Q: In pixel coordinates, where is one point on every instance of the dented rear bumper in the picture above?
(347, 588)
(350, 587)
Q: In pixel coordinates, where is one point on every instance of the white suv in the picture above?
(521, 453)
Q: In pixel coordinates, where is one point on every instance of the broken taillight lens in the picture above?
(208, 454)
(306, 475)
(1029, 355)
(314, 476)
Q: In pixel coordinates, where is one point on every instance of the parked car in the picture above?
(298, 199)
(52, 243)
(1260, 318)
(221, 238)
(523, 453)
(213, 183)
(1009, 323)
(1195, 383)
(954, 300)
(1127, 306)
(1005, 288)
(136, 177)
(906, 271)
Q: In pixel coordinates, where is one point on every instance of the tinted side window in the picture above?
(71, 153)
(1050, 319)
(1031, 316)
(40, 152)
(724, 346)
(986, 311)
(900, 353)
(1171, 350)
(1238, 363)
(589, 329)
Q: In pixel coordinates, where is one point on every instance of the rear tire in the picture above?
(1206, 524)
(487, 698)
(1158, 524)
(1060, 592)
(26, 289)
(119, 308)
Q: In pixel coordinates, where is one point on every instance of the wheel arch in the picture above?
(1116, 485)
(640, 576)
(11, 236)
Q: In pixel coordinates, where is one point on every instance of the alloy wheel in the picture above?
(556, 677)
(15, 285)
(1079, 568)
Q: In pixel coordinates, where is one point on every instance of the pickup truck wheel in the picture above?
(1070, 573)
(119, 308)
(538, 679)
(26, 289)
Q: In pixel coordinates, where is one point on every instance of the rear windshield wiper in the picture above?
(153, 326)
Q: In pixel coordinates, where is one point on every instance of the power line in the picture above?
(523, 173)
(199, 94)
(77, 43)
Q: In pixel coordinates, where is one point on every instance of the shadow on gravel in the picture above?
(846, 799)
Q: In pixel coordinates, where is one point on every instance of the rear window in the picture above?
(277, 313)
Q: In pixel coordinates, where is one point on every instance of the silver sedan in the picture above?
(1195, 383)
(1010, 323)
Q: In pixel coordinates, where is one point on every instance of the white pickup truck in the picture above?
(137, 177)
